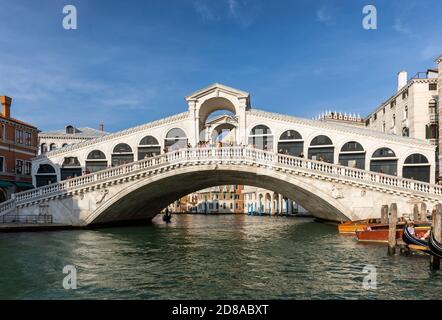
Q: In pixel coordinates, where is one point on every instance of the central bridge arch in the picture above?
(147, 197)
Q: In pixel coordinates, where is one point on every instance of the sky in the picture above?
(131, 62)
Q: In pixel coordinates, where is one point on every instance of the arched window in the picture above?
(64, 145)
(322, 149)
(71, 168)
(122, 154)
(384, 161)
(290, 142)
(43, 148)
(175, 139)
(53, 146)
(148, 147)
(261, 137)
(96, 161)
(416, 167)
(352, 155)
(70, 129)
(405, 132)
(45, 175)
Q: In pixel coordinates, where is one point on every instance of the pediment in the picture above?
(217, 87)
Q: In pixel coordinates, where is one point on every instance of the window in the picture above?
(28, 168)
(367, 122)
(406, 112)
(261, 137)
(19, 166)
(148, 147)
(53, 146)
(175, 139)
(352, 155)
(416, 167)
(28, 138)
(432, 86)
(70, 129)
(290, 142)
(393, 104)
(405, 94)
(375, 116)
(19, 136)
(43, 148)
(383, 110)
(405, 132)
(322, 149)
(394, 120)
(2, 161)
(431, 131)
(432, 107)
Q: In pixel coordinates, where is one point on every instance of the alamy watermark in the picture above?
(370, 280)
(370, 20)
(70, 280)
(70, 18)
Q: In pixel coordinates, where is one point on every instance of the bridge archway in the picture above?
(146, 197)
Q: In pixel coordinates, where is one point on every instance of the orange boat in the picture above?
(350, 227)
(380, 233)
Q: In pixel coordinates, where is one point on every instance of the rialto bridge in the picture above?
(335, 171)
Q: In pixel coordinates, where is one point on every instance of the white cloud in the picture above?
(203, 9)
(323, 14)
(400, 27)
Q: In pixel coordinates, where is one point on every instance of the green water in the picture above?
(209, 257)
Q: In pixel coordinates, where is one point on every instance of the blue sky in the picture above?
(130, 62)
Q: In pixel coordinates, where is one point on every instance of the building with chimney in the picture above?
(18, 145)
(51, 140)
(413, 111)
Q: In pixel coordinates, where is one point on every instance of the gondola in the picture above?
(167, 218)
(410, 239)
(435, 246)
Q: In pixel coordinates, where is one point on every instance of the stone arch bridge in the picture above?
(138, 190)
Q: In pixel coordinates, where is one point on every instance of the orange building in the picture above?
(18, 145)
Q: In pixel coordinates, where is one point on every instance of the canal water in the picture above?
(209, 257)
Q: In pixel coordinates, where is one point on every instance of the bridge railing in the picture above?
(219, 154)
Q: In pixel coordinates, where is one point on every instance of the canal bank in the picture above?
(209, 257)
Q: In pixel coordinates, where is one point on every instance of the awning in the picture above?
(24, 185)
(5, 183)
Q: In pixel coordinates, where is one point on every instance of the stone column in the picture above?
(273, 205)
(290, 209)
(280, 204)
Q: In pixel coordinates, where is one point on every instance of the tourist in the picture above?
(410, 228)
(301, 155)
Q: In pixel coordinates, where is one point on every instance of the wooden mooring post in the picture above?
(423, 215)
(437, 221)
(392, 223)
(416, 215)
(384, 214)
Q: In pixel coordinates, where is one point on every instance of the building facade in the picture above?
(18, 145)
(413, 111)
(52, 140)
(262, 201)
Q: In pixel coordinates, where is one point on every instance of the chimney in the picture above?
(6, 106)
(402, 79)
(101, 127)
